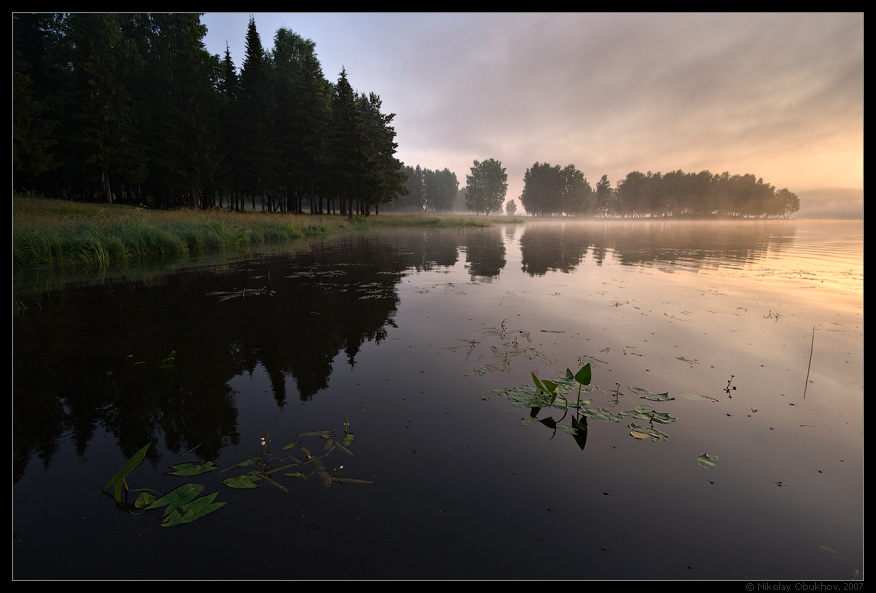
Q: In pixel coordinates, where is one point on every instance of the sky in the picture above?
(776, 95)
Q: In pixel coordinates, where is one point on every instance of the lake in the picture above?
(377, 391)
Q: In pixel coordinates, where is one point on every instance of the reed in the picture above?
(55, 233)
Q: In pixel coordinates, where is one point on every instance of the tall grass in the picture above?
(54, 233)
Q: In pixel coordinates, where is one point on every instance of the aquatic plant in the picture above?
(184, 503)
(552, 393)
(119, 480)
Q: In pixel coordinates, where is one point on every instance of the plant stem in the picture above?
(809, 368)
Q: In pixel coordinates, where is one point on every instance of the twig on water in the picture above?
(811, 348)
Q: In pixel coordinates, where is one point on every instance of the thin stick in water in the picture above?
(811, 348)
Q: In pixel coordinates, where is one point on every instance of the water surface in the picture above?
(754, 330)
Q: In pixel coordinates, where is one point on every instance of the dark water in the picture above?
(402, 337)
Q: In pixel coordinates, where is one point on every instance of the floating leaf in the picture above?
(177, 497)
(581, 404)
(292, 445)
(321, 433)
(646, 412)
(282, 467)
(242, 481)
(595, 414)
(193, 510)
(611, 416)
(144, 500)
(644, 433)
(662, 418)
(192, 469)
(707, 462)
(638, 433)
(343, 448)
(662, 397)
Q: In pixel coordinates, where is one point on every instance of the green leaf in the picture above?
(144, 500)
(323, 433)
(538, 383)
(661, 417)
(193, 510)
(242, 481)
(637, 432)
(595, 414)
(168, 361)
(192, 469)
(707, 462)
(177, 497)
(611, 416)
(662, 397)
(640, 432)
(584, 375)
(118, 480)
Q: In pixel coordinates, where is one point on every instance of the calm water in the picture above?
(406, 335)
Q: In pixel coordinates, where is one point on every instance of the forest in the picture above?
(549, 190)
(130, 108)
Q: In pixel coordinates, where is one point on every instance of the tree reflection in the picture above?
(563, 246)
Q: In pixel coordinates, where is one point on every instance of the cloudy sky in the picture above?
(779, 95)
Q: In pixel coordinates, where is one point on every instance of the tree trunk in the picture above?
(106, 185)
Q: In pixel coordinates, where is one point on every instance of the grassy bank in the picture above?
(54, 233)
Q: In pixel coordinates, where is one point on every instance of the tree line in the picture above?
(549, 190)
(131, 108)
(427, 190)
